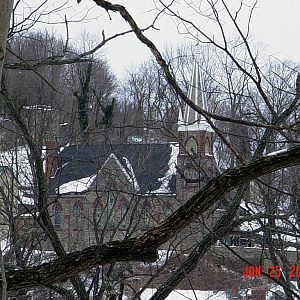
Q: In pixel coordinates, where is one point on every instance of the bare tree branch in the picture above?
(144, 248)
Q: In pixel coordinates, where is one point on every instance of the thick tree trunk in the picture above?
(5, 13)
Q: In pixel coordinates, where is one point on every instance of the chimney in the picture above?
(51, 159)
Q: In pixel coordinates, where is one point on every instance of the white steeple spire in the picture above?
(192, 120)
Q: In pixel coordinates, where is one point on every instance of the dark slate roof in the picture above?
(149, 163)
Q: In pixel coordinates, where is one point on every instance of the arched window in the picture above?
(191, 146)
(124, 211)
(77, 210)
(168, 211)
(111, 209)
(207, 147)
(146, 215)
(98, 214)
(57, 218)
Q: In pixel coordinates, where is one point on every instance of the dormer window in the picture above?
(192, 146)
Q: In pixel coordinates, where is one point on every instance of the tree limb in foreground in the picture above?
(145, 247)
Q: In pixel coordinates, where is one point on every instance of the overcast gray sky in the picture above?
(275, 25)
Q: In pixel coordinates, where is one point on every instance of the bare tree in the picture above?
(254, 113)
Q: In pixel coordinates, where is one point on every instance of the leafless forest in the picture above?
(115, 233)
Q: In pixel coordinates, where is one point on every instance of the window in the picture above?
(145, 215)
(207, 147)
(124, 211)
(192, 146)
(56, 208)
(77, 209)
(111, 209)
(168, 211)
(246, 242)
(98, 213)
(235, 240)
(145, 218)
(191, 174)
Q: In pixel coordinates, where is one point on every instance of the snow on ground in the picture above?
(76, 186)
(164, 186)
(278, 290)
(163, 256)
(187, 295)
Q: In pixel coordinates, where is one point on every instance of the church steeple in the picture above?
(195, 160)
(191, 120)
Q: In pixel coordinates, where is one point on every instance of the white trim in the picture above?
(199, 126)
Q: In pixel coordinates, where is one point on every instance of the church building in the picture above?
(109, 191)
(101, 192)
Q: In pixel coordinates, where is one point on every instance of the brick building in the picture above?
(103, 192)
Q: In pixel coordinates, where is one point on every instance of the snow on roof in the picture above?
(290, 238)
(132, 177)
(18, 159)
(148, 161)
(164, 186)
(249, 226)
(76, 186)
(63, 147)
(277, 152)
(29, 215)
(253, 207)
(128, 173)
(188, 294)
